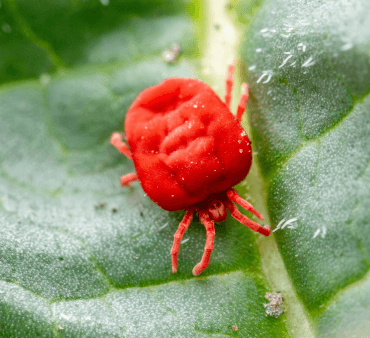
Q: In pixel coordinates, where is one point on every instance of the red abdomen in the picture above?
(186, 144)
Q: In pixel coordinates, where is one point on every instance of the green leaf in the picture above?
(81, 256)
(309, 66)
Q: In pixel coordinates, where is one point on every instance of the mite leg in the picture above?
(210, 230)
(229, 84)
(233, 196)
(244, 95)
(116, 141)
(245, 220)
(184, 224)
(126, 180)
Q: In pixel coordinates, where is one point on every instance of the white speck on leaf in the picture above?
(309, 62)
(285, 61)
(265, 73)
(347, 46)
(301, 47)
(316, 233)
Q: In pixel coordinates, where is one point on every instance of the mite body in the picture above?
(189, 150)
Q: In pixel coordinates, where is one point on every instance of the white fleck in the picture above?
(316, 233)
(279, 225)
(293, 63)
(243, 133)
(309, 62)
(183, 178)
(265, 73)
(64, 316)
(173, 196)
(202, 105)
(301, 47)
(285, 61)
(240, 150)
(104, 2)
(163, 226)
(239, 141)
(195, 106)
(258, 50)
(286, 36)
(264, 30)
(289, 222)
(347, 46)
(287, 53)
(253, 67)
(184, 241)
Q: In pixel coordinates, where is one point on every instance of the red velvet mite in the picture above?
(189, 150)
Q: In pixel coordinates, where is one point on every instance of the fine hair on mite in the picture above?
(189, 151)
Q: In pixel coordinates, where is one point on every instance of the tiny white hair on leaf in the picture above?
(285, 61)
(309, 62)
(265, 73)
(316, 233)
(347, 46)
(184, 241)
(279, 225)
(163, 226)
(301, 46)
(289, 222)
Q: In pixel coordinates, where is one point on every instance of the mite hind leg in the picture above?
(210, 230)
(183, 226)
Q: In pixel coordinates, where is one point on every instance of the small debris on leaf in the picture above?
(114, 210)
(229, 6)
(217, 26)
(100, 206)
(61, 327)
(235, 328)
(273, 308)
(170, 55)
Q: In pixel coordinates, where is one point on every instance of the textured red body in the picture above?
(189, 151)
(185, 143)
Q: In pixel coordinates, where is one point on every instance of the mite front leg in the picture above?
(183, 226)
(210, 230)
(245, 220)
(244, 95)
(116, 141)
(229, 84)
